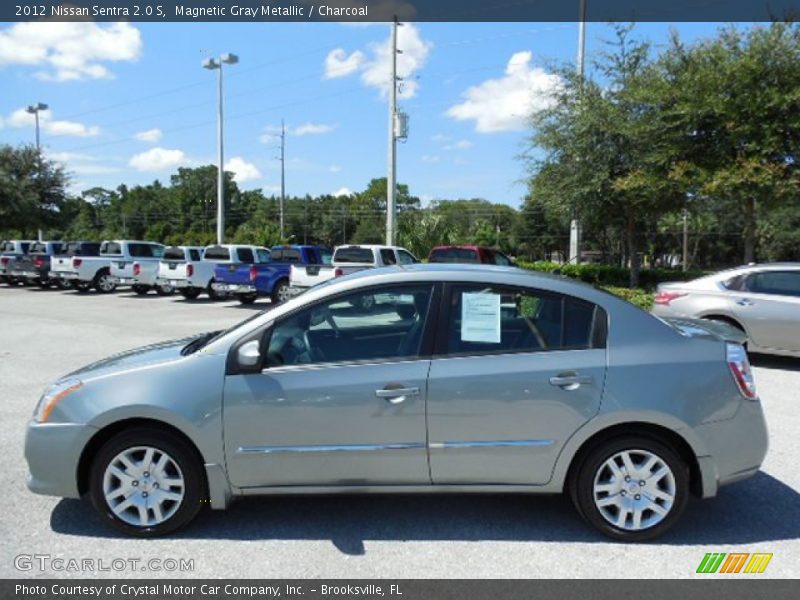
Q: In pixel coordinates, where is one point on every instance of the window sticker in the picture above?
(480, 318)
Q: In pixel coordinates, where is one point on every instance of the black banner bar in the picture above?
(405, 10)
(708, 588)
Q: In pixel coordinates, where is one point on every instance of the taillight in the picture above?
(137, 269)
(189, 270)
(76, 262)
(740, 369)
(664, 298)
(38, 262)
(253, 273)
(337, 272)
(4, 260)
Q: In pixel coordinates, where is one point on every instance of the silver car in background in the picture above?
(457, 378)
(763, 301)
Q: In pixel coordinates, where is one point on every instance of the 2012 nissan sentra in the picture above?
(457, 378)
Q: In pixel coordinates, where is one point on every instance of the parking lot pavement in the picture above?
(44, 334)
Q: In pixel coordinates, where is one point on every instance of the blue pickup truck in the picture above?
(268, 275)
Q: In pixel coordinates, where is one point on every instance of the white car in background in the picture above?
(192, 273)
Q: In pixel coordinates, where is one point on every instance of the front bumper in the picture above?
(53, 451)
(234, 288)
(736, 447)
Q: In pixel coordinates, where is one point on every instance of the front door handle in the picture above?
(396, 395)
(570, 381)
(745, 302)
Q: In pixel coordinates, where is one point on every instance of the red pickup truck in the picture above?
(469, 254)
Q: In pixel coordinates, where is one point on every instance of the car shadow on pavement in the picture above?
(781, 363)
(758, 510)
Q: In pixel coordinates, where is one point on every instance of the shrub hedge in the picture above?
(607, 275)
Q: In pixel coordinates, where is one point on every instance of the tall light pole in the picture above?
(575, 225)
(212, 64)
(34, 109)
(391, 179)
(283, 173)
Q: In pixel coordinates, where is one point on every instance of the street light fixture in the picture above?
(216, 64)
(34, 109)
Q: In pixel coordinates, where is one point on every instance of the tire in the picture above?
(141, 290)
(212, 293)
(165, 290)
(641, 493)
(63, 285)
(103, 282)
(281, 292)
(182, 465)
(190, 293)
(246, 298)
(82, 286)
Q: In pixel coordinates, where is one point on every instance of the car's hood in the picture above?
(704, 327)
(153, 354)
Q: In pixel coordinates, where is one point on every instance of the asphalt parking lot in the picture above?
(46, 333)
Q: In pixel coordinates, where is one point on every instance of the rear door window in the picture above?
(38, 248)
(501, 320)
(194, 254)
(388, 257)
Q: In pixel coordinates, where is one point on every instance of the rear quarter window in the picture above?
(110, 248)
(194, 254)
(38, 248)
(245, 255)
(354, 255)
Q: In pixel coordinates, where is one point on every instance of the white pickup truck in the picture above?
(302, 277)
(193, 274)
(349, 259)
(95, 271)
(137, 267)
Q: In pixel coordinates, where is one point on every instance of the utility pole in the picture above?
(391, 179)
(283, 174)
(685, 239)
(216, 64)
(575, 226)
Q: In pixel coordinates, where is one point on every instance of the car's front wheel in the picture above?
(147, 482)
(632, 488)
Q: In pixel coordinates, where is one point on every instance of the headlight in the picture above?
(53, 396)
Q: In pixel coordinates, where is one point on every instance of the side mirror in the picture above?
(249, 354)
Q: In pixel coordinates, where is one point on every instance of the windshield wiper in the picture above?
(198, 343)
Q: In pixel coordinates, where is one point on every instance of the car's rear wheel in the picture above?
(190, 293)
(281, 293)
(165, 290)
(104, 282)
(141, 290)
(212, 293)
(632, 488)
(62, 284)
(147, 482)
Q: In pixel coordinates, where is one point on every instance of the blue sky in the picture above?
(130, 102)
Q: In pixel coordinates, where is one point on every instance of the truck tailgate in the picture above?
(232, 273)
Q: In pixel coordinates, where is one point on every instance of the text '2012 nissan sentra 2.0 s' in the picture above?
(455, 378)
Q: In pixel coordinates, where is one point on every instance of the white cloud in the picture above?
(504, 104)
(430, 158)
(312, 129)
(340, 64)
(150, 135)
(335, 168)
(22, 118)
(71, 50)
(158, 159)
(375, 70)
(343, 191)
(67, 156)
(458, 145)
(242, 170)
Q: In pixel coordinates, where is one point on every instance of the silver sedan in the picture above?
(454, 378)
(762, 301)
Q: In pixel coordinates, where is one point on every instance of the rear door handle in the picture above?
(397, 395)
(745, 302)
(570, 382)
